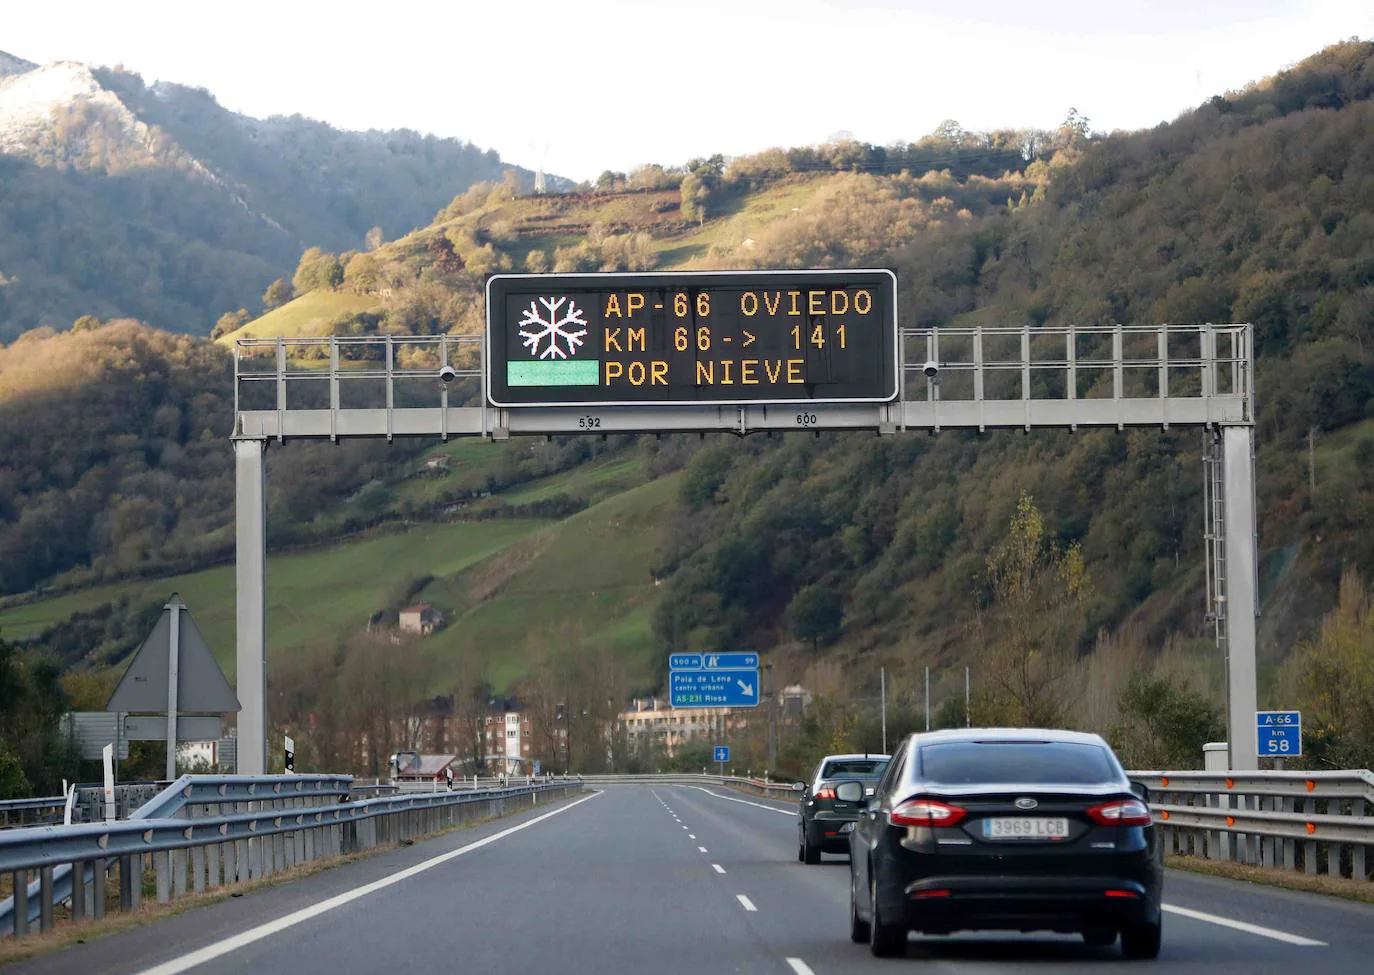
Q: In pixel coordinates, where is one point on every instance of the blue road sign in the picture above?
(538, 766)
(729, 661)
(1278, 734)
(684, 661)
(714, 688)
(722, 753)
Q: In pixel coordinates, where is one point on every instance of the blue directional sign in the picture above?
(722, 753)
(714, 680)
(1278, 734)
(730, 661)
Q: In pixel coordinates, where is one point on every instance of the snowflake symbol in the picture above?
(535, 328)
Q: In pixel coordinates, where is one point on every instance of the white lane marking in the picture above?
(691, 836)
(1226, 922)
(717, 868)
(748, 904)
(684, 827)
(702, 849)
(756, 805)
(235, 942)
(800, 967)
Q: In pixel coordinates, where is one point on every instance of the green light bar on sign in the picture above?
(586, 372)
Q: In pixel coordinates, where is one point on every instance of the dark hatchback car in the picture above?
(824, 821)
(1004, 829)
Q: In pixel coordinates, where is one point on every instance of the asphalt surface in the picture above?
(670, 879)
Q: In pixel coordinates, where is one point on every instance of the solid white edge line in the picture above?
(717, 868)
(234, 942)
(756, 805)
(800, 967)
(1226, 922)
(746, 902)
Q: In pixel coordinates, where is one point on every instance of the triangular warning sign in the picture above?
(201, 685)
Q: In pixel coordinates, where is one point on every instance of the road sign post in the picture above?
(1278, 734)
(289, 756)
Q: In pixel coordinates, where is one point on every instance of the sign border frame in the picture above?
(1297, 728)
(702, 404)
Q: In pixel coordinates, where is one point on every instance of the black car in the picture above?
(1004, 829)
(824, 821)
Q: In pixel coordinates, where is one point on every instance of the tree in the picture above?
(363, 273)
(374, 238)
(317, 270)
(816, 614)
(230, 321)
(85, 322)
(1036, 595)
(1162, 724)
(1333, 675)
(537, 262)
(694, 193)
(278, 293)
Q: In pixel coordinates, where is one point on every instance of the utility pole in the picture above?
(882, 690)
(927, 697)
(772, 720)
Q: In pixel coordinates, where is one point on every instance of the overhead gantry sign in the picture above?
(740, 352)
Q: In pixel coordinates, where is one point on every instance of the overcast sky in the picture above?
(609, 84)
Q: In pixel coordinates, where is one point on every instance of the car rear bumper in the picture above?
(827, 831)
(1068, 904)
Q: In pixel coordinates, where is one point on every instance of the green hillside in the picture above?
(307, 315)
(838, 554)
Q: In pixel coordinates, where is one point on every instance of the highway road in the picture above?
(671, 879)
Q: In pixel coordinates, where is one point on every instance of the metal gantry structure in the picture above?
(970, 378)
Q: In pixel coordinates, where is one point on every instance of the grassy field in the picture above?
(512, 588)
(303, 314)
(311, 596)
(589, 574)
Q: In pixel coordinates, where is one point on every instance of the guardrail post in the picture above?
(126, 886)
(162, 870)
(45, 899)
(1357, 860)
(20, 879)
(1309, 848)
(178, 873)
(80, 904)
(98, 887)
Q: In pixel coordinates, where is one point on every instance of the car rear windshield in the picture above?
(1018, 762)
(855, 768)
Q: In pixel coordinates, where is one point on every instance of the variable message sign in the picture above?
(714, 338)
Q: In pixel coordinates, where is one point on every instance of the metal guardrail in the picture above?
(1316, 822)
(270, 826)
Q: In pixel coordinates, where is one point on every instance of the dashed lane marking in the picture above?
(746, 902)
(717, 868)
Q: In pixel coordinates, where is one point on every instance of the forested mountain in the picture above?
(839, 551)
(119, 198)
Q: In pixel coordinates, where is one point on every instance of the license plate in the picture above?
(847, 828)
(1025, 828)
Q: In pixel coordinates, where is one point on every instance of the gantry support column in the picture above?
(250, 581)
(1242, 573)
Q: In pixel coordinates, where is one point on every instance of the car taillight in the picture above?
(826, 793)
(925, 812)
(1123, 812)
